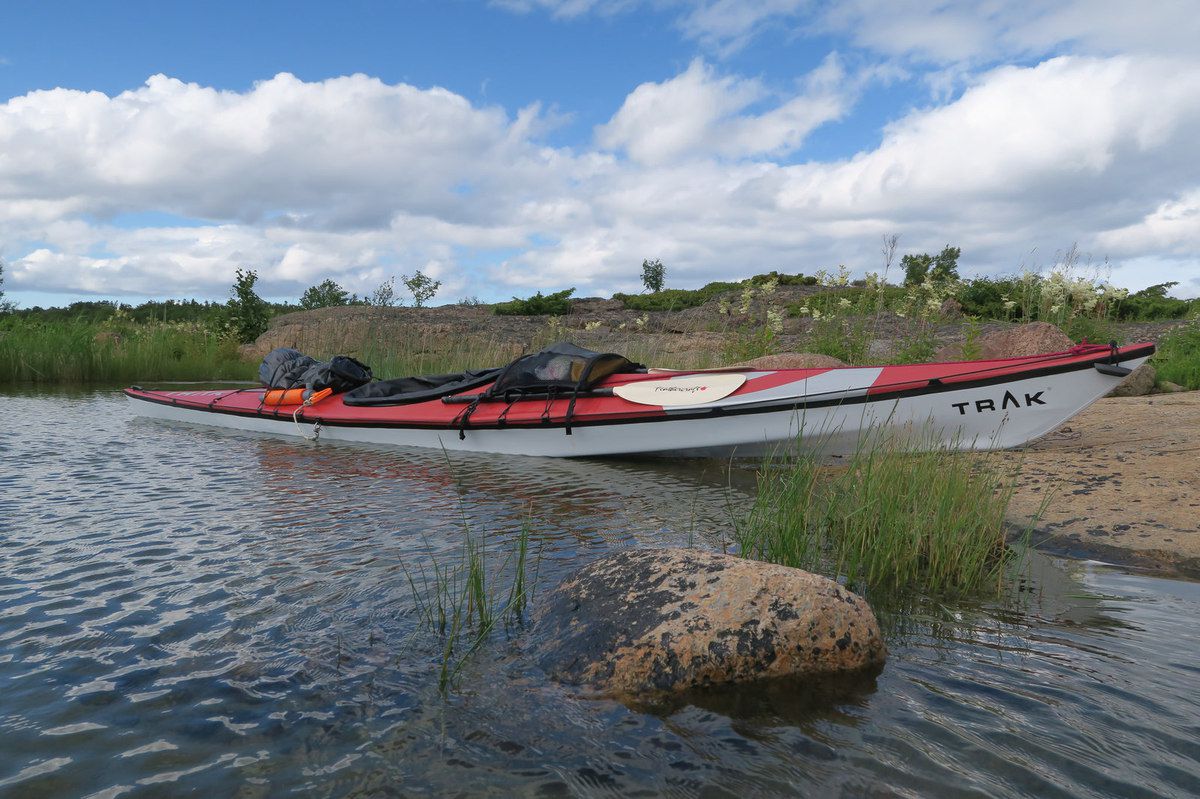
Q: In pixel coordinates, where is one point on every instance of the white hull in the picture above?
(999, 416)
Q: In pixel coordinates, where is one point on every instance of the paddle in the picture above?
(690, 390)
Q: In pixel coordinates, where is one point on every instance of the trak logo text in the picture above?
(1010, 400)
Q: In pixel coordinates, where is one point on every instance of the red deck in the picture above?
(435, 413)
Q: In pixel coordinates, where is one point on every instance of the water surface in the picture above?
(191, 610)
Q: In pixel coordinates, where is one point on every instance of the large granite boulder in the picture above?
(1138, 384)
(791, 360)
(1034, 338)
(646, 622)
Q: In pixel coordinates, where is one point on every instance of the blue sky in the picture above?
(506, 147)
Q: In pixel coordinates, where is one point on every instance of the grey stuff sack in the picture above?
(284, 368)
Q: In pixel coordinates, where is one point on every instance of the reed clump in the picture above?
(463, 602)
(78, 351)
(895, 518)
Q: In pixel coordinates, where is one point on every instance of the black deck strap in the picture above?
(571, 408)
(550, 397)
(463, 419)
(213, 402)
(502, 419)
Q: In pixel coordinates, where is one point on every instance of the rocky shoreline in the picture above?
(1123, 483)
(702, 332)
(1122, 474)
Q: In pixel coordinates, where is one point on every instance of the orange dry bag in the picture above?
(295, 396)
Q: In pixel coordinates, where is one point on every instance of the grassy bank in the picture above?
(1178, 356)
(80, 351)
(891, 520)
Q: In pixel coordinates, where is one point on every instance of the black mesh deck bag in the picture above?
(561, 370)
(340, 373)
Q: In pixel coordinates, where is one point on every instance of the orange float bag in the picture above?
(295, 396)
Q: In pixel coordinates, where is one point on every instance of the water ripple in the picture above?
(183, 609)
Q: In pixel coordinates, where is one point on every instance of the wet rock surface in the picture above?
(647, 622)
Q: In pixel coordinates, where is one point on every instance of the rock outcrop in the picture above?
(791, 360)
(1138, 384)
(1034, 338)
(648, 622)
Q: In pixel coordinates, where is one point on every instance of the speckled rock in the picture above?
(791, 360)
(1138, 384)
(647, 622)
(1034, 338)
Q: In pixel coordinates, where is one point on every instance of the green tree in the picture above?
(938, 268)
(421, 287)
(385, 295)
(5, 305)
(654, 275)
(326, 294)
(246, 313)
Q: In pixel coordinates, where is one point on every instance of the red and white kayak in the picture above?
(993, 404)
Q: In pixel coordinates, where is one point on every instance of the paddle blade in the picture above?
(691, 390)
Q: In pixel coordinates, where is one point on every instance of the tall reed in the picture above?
(894, 518)
(86, 352)
(462, 602)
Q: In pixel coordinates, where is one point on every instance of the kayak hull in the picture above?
(826, 410)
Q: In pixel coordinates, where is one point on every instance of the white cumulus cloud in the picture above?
(356, 179)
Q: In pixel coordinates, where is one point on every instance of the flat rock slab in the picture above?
(647, 622)
(1124, 482)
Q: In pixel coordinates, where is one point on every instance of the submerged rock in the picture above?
(1138, 384)
(653, 621)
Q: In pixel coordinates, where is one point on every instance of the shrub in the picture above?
(653, 275)
(326, 294)
(986, 297)
(1097, 330)
(674, 299)
(936, 268)
(421, 287)
(385, 295)
(246, 313)
(5, 305)
(555, 304)
(846, 339)
(780, 279)
(1152, 303)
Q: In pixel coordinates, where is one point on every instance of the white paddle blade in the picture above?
(691, 390)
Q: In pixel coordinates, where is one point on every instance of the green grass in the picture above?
(1178, 357)
(891, 521)
(463, 602)
(87, 352)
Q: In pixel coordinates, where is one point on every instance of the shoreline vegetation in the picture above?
(862, 321)
(890, 523)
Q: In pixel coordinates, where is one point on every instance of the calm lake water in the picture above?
(184, 610)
